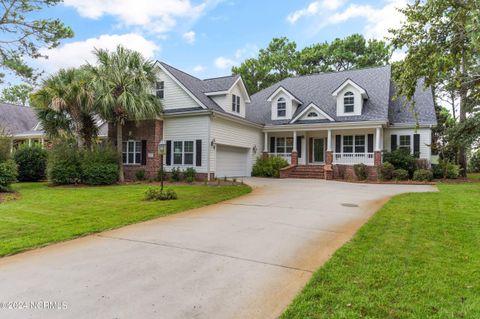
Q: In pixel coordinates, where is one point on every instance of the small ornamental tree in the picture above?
(32, 163)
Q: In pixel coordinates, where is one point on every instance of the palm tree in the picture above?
(65, 103)
(124, 82)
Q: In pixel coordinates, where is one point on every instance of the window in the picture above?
(160, 89)
(359, 143)
(284, 145)
(183, 152)
(405, 142)
(312, 114)
(281, 107)
(348, 102)
(348, 144)
(132, 152)
(235, 103)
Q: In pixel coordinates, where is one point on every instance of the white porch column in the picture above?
(294, 141)
(265, 142)
(329, 140)
(378, 133)
(29, 142)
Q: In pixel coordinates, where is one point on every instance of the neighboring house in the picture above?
(22, 124)
(322, 124)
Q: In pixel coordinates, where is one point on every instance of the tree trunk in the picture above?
(121, 177)
(462, 158)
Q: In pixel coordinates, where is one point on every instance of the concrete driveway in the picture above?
(244, 258)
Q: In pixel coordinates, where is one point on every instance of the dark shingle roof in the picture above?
(220, 84)
(15, 119)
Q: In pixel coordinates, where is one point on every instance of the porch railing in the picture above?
(353, 158)
(286, 156)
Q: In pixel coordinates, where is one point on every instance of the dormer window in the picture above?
(160, 91)
(312, 115)
(348, 102)
(235, 103)
(281, 107)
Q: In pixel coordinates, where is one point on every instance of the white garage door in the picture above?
(231, 161)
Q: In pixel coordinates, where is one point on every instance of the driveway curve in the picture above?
(243, 258)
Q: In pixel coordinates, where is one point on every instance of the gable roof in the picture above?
(318, 89)
(16, 119)
(282, 89)
(352, 83)
(220, 84)
(312, 107)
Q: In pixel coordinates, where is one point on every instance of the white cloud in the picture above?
(377, 20)
(74, 54)
(155, 16)
(398, 56)
(199, 68)
(315, 8)
(189, 37)
(224, 63)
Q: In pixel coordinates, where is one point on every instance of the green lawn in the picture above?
(44, 215)
(474, 175)
(418, 257)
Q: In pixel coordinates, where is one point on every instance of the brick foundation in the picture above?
(148, 130)
(294, 158)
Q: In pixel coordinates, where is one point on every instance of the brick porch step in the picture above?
(308, 171)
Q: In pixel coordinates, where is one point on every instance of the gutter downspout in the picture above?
(208, 147)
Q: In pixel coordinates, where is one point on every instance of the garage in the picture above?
(231, 161)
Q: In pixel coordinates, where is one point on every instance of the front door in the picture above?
(318, 150)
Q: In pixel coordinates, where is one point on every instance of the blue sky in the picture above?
(207, 37)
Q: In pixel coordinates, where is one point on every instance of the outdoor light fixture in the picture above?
(213, 143)
(162, 146)
(254, 149)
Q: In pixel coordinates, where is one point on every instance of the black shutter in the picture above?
(310, 150)
(144, 152)
(272, 144)
(169, 153)
(338, 143)
(416, 145)
(299, 146)
(370, 143)
(393, 142)
(198, 155)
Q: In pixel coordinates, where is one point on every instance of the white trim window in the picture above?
(281, 107)
(160, 89)
(347, 144)
(312, 115)
(405, 142)
(183, 152)
(235, 103)
(132, 152)
(359, 143)
(348, 102)
(284, 145)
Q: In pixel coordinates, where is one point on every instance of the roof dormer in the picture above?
(350, 98)
(312, 113)
(232, 100)
(283, 104)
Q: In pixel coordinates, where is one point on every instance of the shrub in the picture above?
(474, 162)
(422, 163)
(400, 158)
(437, 171)
(31, 162)
(361, 171)
(423, 175)
(8, 175)
(190, 174)
(140, 175)
(386, 171)
(64, 164)
(400, 174)
(269, 166)
(154, 193)
(451, 170)
(100, 166)
(99, 174)
(176, 174)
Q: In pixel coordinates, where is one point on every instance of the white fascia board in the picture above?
(290, 95)
(181, 85)
(325, 126)
(309, 108)
(355, 85)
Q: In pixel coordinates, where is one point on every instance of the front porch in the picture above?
(332, 150)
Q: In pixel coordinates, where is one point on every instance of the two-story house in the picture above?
(319, 123)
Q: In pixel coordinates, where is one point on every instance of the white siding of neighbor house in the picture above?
(358, 102)
(425, 139)
(175, 96)
(189, 128)
(227, 132)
